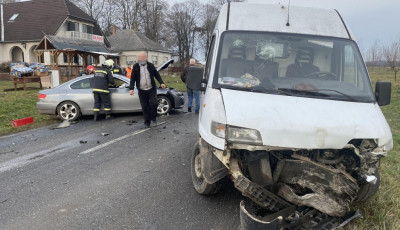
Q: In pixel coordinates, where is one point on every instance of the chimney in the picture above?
(114, 29)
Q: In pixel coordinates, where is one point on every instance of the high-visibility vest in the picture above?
(128, 72)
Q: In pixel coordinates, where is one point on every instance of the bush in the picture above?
(5, 67)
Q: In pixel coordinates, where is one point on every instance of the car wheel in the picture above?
(68, 110)
(199, 183)
(368, 190)
(164, 105)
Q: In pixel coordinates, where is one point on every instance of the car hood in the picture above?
(304, 123)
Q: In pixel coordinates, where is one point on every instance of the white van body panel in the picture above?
(273, 18)
(304, 123)
(212, 110)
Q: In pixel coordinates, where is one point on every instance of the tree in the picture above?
(153, 19)
(183, 19)
(92, 7)
(391, 53)
(128, 12)
(107, 19)
(209, 17)
(374, 54)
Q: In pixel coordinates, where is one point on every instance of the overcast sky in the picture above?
(369, 20)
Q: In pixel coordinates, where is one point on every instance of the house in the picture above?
(50, 32)
(129, 43)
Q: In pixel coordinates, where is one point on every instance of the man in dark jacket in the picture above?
(143, 74)
(117, 70)
(102, 78)
(192, 77)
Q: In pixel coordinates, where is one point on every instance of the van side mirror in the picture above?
(203, 84)
(383, 92)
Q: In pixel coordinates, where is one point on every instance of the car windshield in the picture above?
(294, 65)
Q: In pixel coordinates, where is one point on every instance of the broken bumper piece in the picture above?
(254, 217)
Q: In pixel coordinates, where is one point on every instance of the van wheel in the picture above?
(199, 183)
(69, 111)
(368, 190)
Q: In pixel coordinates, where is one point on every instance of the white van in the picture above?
(289, 111)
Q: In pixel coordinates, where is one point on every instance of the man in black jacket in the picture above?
(101, 79)
(143, 74)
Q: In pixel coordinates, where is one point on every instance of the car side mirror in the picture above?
(383, 92)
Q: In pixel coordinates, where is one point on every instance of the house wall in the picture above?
(6, 50)
(157, 58)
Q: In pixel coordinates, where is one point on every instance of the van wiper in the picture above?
(336, 91)
(304, 92)
(267, 89)
(315, 92)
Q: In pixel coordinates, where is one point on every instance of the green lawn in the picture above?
(174, 81)
(20, 104)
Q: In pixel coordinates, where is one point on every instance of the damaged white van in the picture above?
(289, 112)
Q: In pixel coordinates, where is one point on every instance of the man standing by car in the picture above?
(192, 76)
(143, 74)
(102, 78)
(116, 69)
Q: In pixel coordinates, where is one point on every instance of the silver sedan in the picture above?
(75, 98)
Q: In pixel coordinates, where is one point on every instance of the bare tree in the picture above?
(183, 20)
(92, 7)
(108, 19)
(374, 54)
(209, 17)
(153, 19)
(128, 12)
(391, 53)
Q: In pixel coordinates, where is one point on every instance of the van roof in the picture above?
(273, 18)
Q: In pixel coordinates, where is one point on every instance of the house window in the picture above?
(84, 28)
(154, 60)
(13, 17)
(65, 58)
(132, 59)
(165, 59)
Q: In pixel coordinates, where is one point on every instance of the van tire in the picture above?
(368, 190)
(199, 183)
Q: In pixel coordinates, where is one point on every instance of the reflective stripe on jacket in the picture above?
(102, 77)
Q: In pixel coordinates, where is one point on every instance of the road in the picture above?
(132, 178)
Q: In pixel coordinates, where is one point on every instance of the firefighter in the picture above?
(116, 70)
(102, 78)
(89, 70)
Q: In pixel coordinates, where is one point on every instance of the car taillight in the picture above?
(42, 96)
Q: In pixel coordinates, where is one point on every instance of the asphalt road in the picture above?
(129, 179)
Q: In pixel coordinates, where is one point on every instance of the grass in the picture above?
(381, 212)
(174, 81)
(20, 104)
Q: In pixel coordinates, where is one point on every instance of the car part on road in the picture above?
(164, 105)
(68, 110)
(253, 217)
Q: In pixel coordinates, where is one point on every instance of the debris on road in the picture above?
(62, 125)
(83, 142)
(176, 131)
(131, 122)
(104, 134)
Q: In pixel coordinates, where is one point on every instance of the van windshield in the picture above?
(294, 65)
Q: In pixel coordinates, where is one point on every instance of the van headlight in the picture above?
(218, 129)
(243, 135)
(236, 134)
